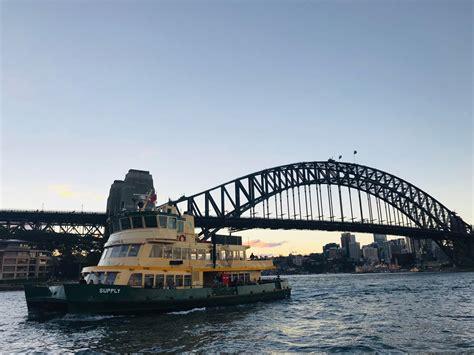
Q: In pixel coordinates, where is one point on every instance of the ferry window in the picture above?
(193, 254)
(179, 280)
(184, 253)
(123, 251)
(180, 226)
(115, 252)
(137, 222)
(169, 281)
(101, 277)
(150, 221)
(116, 225)
(208, 256)
(187, 280)
(106, 253)
(160, 281)
(176, 253)
(172, 223)
(163, 221)
(156, 251)
(135, 280)
(235, 277)
(167, 252)
(110, 279)
(125, 222)
(247, 277)
(111, 228)
(134, 249)
(149, 281)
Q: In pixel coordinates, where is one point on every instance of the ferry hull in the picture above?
(104, 299)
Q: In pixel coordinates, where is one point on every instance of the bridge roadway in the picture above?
(94, 223)
(83, 223)
(45, 220)
(64, 221)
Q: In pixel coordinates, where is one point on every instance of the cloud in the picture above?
(67, 192)
(63, 191)
(257, 243)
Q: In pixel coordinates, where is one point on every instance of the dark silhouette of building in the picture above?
(131, 193)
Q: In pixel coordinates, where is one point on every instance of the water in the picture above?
(378, 312)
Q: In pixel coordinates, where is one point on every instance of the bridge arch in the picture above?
(235, 197)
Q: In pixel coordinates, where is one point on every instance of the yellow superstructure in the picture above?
(159, 249)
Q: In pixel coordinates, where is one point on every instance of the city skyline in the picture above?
(159, 89)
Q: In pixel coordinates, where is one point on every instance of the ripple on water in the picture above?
(327, 313)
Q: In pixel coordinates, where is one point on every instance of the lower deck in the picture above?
(101, 299)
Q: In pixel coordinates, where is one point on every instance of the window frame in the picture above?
(139, 224)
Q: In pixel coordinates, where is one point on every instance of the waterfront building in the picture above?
(298, 260)
(346, 239)
(20, 261)
(354, 251)
(370, 254)
(333, 253)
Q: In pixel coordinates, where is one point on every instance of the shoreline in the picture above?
(5, 287)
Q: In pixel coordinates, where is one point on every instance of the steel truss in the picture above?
(358, 198)
(81, 223)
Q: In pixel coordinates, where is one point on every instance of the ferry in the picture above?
(154, 262)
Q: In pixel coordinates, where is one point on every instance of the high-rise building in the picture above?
(386, 253)
(380, 239)
(346, 239)
(354, 251)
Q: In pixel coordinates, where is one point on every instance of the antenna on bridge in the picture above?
(340, 157)
(355, 152)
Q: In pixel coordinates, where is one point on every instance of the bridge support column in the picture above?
(463, 250)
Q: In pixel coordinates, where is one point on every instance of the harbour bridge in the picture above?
(322, 195)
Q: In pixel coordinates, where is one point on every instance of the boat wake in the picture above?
(86, 317)
(189, 311)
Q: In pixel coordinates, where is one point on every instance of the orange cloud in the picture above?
(63, 191)
(257, 243)
(67, 192)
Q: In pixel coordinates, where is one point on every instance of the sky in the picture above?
(202, 92)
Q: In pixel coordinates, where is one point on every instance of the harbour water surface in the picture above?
(370, 312)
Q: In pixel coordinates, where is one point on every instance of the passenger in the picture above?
(160, 285)
(82, 280)
(91, 281)
(252, 257)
